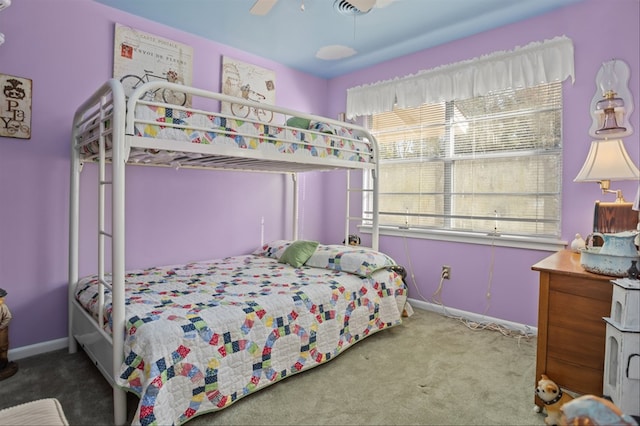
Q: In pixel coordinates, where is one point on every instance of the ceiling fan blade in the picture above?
(363, 5)
(262, 7)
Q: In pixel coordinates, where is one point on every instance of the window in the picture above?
(489, 164)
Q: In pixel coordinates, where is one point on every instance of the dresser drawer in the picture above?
(575, 378)
(583, 287)
(579, 313)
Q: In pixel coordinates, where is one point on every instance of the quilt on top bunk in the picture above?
(318, 140)
(202, 335)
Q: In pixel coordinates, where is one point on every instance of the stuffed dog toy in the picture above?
(354, 240)
(553, 397)
(590, 410)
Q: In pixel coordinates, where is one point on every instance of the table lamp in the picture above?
(608, 161)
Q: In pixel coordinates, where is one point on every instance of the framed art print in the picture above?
(15, 107)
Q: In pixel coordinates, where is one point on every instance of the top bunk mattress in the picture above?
(165, 134)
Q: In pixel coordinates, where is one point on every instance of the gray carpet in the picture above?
(431, 370)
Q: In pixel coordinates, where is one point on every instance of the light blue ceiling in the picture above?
(292, 37)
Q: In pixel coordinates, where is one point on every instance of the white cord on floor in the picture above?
(436, 298)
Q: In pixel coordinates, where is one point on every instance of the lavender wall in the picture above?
(514, 287)
(66, 48)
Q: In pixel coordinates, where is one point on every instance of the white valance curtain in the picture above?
(531, 65)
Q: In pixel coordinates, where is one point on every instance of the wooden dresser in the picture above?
(571, 331)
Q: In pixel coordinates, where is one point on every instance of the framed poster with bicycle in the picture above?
(249, 82)
(15, 107)
(141, 57)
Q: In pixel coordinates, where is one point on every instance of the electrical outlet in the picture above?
(446, 272)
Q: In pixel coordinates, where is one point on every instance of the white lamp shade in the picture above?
(607, 160)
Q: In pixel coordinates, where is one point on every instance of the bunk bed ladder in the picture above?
(108, 106)
(103, 183)
(119, 154)
(367, 197)
(296, 207)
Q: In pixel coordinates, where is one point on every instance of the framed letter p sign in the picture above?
(15, 107)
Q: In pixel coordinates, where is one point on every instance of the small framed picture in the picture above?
(15, 107)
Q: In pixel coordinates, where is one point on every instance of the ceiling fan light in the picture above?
(335, 52)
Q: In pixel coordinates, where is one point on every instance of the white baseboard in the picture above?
(472, 316)
(37, 349)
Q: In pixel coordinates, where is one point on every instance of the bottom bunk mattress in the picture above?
(202, 335)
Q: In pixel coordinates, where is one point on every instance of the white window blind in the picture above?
(488, 164)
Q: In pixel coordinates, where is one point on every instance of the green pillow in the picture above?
(298, 252)
(301, 123)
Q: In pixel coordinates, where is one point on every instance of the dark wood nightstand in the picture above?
(571, 331)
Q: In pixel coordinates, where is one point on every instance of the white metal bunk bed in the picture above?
(113, 131)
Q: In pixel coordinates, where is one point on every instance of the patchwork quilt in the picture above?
(321, 140)
(201, 336)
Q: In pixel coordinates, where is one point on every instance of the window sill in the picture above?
(544, 244)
